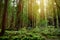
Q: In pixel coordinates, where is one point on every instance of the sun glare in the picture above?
(38, 2)
(39, 10)
(45, 3)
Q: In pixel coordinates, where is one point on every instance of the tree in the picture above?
(18, 14)
(4, 18)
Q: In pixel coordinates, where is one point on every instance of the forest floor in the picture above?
(49, 33)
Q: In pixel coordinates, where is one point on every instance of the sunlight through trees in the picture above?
(17, 14)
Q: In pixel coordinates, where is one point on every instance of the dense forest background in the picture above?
(30, 19)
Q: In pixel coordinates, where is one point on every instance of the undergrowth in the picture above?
(38, 33)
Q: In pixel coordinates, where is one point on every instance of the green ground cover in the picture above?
(46, 33)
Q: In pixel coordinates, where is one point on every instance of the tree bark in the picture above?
(4, 18)
(18, 15)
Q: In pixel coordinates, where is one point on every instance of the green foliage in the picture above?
(34, 34)
(48, 30)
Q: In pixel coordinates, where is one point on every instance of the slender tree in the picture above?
(18, 14)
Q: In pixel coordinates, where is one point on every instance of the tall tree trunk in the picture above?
(18, 15)
(30, 14)
(4, 18)
(0, 12)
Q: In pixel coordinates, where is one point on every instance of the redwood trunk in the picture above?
(4, 18)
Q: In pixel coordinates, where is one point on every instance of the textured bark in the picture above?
(4, 18)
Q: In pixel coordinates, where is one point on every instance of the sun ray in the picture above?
(39, 10)
(38, 2)
(45, 2)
